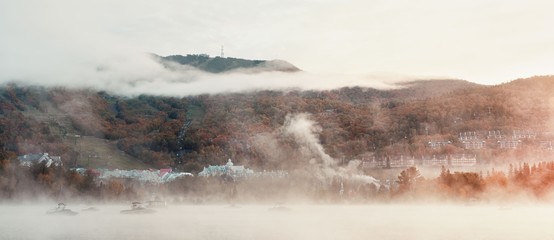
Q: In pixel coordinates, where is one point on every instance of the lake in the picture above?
(301, 222)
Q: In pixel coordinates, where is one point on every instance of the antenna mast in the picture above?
(222, 55)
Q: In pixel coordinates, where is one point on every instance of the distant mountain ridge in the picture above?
(226, 64)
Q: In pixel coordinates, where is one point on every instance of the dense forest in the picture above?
(191, 132)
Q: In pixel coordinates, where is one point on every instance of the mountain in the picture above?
(251, 128)
(421, 89)
(220, 64)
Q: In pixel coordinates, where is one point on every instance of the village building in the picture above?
(389, 162)
(526, 134)
(435, 161)
(466, 136)
(473, 144)
(438, 144)
(30, 159)
(374, 163)
(228, 169)
(495, 134)
(426, 161)
(402, 162)
(463, 161)
(509, 144)
(150, 175)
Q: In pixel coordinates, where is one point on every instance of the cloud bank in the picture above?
(129, 73)
(98, 45)
(65, 42)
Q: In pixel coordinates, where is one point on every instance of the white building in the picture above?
(29, 159)
(150, 175)
(435, 161)
(473, 144)
(227, 169)
(465, 136)
(524, 134)
(438, 144)
(463, 161)
(512, 144)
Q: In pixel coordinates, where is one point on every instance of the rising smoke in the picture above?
(308, 154)
(303, 130)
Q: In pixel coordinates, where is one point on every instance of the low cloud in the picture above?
(136, 74)
(86, 45)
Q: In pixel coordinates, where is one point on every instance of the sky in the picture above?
(482, 41)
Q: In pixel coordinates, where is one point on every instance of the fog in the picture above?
(134, 74)
(80, 54)
(299, 222)
(483, 41)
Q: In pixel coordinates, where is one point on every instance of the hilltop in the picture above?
(221, 64)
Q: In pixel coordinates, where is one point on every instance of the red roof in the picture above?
(164, 171)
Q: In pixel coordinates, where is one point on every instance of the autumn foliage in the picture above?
(189, 133)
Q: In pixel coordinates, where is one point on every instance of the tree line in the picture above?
(535, 181)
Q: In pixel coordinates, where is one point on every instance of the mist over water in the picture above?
(100, 46)
(301, 222)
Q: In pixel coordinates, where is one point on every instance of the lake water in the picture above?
(301, 222)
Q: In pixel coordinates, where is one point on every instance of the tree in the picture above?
(407, 179)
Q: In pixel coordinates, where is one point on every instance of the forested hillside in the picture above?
(350, 123)
(220, 64)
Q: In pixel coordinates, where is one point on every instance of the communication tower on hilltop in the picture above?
(222, 55)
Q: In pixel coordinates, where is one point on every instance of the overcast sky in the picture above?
(483, 41)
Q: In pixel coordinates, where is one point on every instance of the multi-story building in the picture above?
(509, 144)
